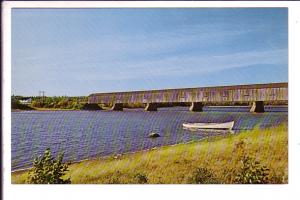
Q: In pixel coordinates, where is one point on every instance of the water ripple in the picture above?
(84, 134)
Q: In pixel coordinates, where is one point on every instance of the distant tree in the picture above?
(47, 170)
(15, 104)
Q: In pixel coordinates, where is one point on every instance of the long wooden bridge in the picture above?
(256, 94)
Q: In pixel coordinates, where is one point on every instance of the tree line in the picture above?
(56, 102)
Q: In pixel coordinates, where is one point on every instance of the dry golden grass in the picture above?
(176, 164)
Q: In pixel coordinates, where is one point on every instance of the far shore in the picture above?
(129, 108)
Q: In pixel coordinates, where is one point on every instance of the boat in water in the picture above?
(221, 126)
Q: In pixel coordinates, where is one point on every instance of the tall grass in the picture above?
(221, 157)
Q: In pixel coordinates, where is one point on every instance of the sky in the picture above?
(76, 52)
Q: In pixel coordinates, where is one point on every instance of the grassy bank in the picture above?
(221, 157)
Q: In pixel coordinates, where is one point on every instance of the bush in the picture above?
(114, 178)
(47, 170)
(37, 104)
(141, 178)
(202, 176)
(252, 172)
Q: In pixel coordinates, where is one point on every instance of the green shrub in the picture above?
(47, 170)
(114, 178)
(252, 172)
(37, 104)
(141, 178)
(202, 176)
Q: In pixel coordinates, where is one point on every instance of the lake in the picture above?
(87, 134)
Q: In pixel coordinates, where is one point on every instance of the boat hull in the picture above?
(222, 126)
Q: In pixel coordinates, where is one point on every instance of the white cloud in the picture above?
(107, 48)
(184, 65)
(120, 57)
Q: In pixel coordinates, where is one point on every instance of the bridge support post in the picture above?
(91, 106)
(258, 107)
(117, 107)
(196, 107)
(151, 107)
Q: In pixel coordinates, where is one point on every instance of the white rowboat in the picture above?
(223, 126)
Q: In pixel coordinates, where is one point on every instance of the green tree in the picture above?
(47, 170)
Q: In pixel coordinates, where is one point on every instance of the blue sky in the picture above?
(81, 51)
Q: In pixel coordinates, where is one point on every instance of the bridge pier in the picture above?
(117, 107)
(91, 106)
(151, 107)
(258, 107)
(196, 107)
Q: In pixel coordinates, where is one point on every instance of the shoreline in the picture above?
(44, 109)
(116, 156)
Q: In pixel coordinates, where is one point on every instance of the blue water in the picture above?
(87, 134)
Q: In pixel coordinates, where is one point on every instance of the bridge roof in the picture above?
(228, 87)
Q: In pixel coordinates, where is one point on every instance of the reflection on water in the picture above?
(86, 134)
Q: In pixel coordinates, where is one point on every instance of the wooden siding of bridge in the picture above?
(238, 93)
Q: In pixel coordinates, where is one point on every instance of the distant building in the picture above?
(26, 101)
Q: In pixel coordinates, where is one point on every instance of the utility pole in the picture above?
(42, 94)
